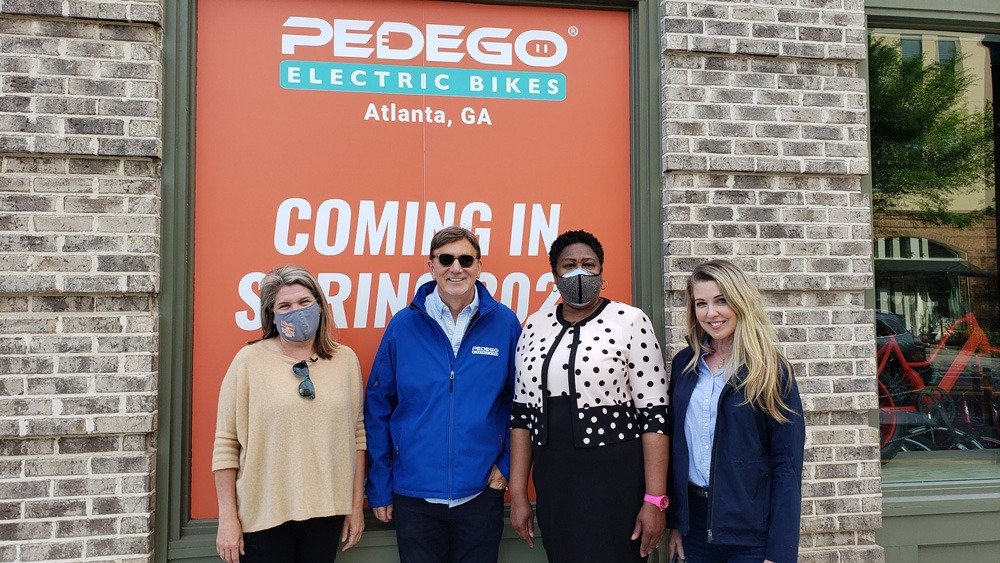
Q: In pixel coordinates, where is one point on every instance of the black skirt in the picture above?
(587, 498)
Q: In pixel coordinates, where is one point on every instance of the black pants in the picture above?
(699, 550)
(433, 533)
(305, 541)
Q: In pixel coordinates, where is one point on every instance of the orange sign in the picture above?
(341, 135)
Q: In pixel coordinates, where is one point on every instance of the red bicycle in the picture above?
(918, 411)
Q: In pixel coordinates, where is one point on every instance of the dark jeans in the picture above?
(698, 550)
(433, 533)
(305, 541)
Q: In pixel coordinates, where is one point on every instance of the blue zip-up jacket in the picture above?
(436, 423)
(755, 485)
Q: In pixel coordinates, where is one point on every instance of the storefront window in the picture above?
(936, 298)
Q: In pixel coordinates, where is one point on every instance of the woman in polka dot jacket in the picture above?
(590, 416)
(738, 432)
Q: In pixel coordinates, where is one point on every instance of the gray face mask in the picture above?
(579, 287)
(299, 325)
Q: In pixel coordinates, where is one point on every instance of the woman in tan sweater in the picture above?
(290, 440)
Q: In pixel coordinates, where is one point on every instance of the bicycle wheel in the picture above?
(895, 385)
(887, 416)
(910, 445)
(937, 438)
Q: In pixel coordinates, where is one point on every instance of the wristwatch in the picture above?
(661, 501)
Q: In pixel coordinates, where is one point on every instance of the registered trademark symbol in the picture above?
(573, 31)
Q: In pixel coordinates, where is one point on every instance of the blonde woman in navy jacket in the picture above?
(738, 433)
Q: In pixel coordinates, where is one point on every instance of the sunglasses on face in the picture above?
(464, 260)
(306, 389)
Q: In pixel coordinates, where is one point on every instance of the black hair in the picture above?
(572, 237)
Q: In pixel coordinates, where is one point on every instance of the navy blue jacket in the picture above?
(436, 423)
(755, 485)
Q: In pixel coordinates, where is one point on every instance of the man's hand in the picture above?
(496, 480)
(383, 513)
(649, 525)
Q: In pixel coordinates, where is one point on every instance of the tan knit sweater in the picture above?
(295, 457)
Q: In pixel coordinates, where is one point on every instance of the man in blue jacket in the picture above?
(436, 412)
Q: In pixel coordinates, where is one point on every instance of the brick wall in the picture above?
(79, 242)
(764, 144)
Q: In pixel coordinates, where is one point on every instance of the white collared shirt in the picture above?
(453, 328)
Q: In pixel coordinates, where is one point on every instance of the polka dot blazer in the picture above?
(610, 362)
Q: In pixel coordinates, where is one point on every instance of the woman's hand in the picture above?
(522, 519)
(354, 526)
(229, 539)
(354, 523)
(649, 525)
(383, 513)
(675, 546)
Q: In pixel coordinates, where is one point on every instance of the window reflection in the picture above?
(947, 49)
(911, 48)
(934, 198)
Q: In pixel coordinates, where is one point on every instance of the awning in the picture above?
(924, 267)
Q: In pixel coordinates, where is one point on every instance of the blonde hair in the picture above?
(323, 343)
(753, 341)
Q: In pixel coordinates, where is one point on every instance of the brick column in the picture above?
(764, 147)
(79, 243)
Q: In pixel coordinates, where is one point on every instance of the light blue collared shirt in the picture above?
(699, 422)
(454, 329)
